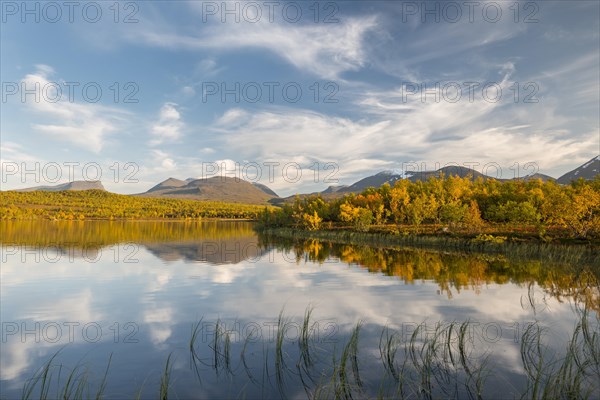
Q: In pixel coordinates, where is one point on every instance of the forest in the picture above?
(98, 204)
(453, 204)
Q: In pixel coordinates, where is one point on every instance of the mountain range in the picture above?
(234, 190)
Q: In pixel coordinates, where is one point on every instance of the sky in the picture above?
(296, 95)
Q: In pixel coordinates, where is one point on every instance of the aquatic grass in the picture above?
(532, 357)
(304, 339)
(350, 355)
(102, 386)
(446, 361)
(387, 351)
(195, 359)
(43, 377)
(165, 379)
(221, 349)
(281, 367)
(247, 368)
(77, 383)
(76, 386)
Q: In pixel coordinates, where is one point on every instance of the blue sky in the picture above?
(528, 74)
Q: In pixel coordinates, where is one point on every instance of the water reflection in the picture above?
(454, 272)
(214, 242)
(141, 306)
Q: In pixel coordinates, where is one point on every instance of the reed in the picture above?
(445, 362)
(165, 379)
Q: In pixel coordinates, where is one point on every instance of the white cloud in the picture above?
(208, 68)
(168, 127)
(400, 129)
(324, 50)
(85, 125)
(165, 161)
(188, 91)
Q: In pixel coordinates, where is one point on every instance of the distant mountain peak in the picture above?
(214, 188)
(587, 170)
(74, 185)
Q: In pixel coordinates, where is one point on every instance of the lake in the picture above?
(214, 310)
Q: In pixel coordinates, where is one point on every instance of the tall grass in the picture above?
(449, 361)
(77, 384)
(165, 379)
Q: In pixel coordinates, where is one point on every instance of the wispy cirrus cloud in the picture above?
(325, 51)
(397, 128)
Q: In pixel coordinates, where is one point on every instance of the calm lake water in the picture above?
(81, 291)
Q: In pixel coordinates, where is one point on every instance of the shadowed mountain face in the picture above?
(462, 172)
(75, 185)
(265, 189)
(587, 171)
(370, 181)
(231, 190)
(543, 177)
(390, 177)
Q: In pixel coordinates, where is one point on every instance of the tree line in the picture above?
(454, 202)
(98, 204)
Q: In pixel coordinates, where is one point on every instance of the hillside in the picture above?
(586, 171)
(370, 181)
(543, 177)
(226, 189)
(75, 185)
(98, 204)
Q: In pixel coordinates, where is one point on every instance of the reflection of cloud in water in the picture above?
(16, 358)
(159, 321)
(164, 300)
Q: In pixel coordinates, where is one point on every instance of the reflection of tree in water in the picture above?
(454, 272)
(102, 233)
(215, 242)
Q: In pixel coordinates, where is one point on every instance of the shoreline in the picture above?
(573, 251)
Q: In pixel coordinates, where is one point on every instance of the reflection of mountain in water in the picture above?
(87, 234)
(215, 242)
(213, 252)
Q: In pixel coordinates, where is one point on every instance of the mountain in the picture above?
(334, 189)
(543, 177)
(586, 171)
(231, 190)
(390, 177)
(453, 170)
(381, 178)
(170, 183)
(265, 189)
(75, 185)
(370, 181)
